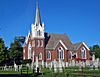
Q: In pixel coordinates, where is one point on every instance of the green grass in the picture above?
(10, 72)
(46, 72)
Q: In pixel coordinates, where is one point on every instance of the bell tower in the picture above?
(37, 26)
(38, 36)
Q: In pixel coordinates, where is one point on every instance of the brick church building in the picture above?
(49, 47)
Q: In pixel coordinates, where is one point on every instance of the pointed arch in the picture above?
(49, 55)
(60, 53)
(83, 53)
(40, 56)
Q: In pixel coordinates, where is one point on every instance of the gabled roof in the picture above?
(53, 39)
(77, 45)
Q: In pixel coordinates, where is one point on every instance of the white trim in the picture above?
(27, 38)
(85, 45)
(62, 44)
(63, 52)
(42, 43)
(29, 51)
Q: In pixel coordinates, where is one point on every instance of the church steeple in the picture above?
(37, 15)
(37, 26)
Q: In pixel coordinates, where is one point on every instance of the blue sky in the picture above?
(79, 19)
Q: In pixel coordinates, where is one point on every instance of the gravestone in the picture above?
(5, 68)
(15, 66)
(51, 65)
(83, 64)
(96, 64)
(73, 62)
(77, 63)
(55, 66)
(80, 66)
(46, 65)
(87, 63)
(66, 64)
(60, 66)
(42, 63)
(37, 64)
(93, 57)
(70, 63)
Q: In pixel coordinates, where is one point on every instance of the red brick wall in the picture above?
(35, 49)
(39, 49)
(54, 53)
(87, 52)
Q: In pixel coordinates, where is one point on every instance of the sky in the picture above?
(79, 19)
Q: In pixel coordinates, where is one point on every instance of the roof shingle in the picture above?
(53, 39)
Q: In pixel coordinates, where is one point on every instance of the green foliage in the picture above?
(26, 61)
(16, 50)
(3, 53)
(95, 50)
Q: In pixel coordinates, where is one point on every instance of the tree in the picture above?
(16, 50)
(95, 49)
(3, 53)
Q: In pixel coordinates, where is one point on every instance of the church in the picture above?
(47, 47)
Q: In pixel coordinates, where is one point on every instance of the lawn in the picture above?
(45, 72)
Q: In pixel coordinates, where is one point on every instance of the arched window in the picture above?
(29, 51)
(38, 41)
(48, 55)
(40, 56)
(83, 53)
(69, 55)
(38, 33)
(60, 53)
(42, 43)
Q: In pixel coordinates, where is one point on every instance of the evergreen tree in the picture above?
(95, 49)
(16, 50)
(3, 53)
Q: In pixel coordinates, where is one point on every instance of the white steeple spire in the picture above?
(37, 26)
(37, 16)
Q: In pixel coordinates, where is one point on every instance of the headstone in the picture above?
(87, 63)
(15, 66)
(42, 63)
(27, 65)
(46, 64)
(63, 64)
(32, 65)
(20, 67)
(51, 65)
(73, 62)
(37, 65)
(77, 63)
(66, 64)
(83, 64)
(80, 66)
(97, 64)
(93, 57)
(5, 68)
(70, 63)
(55, 66)
(60, 66)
